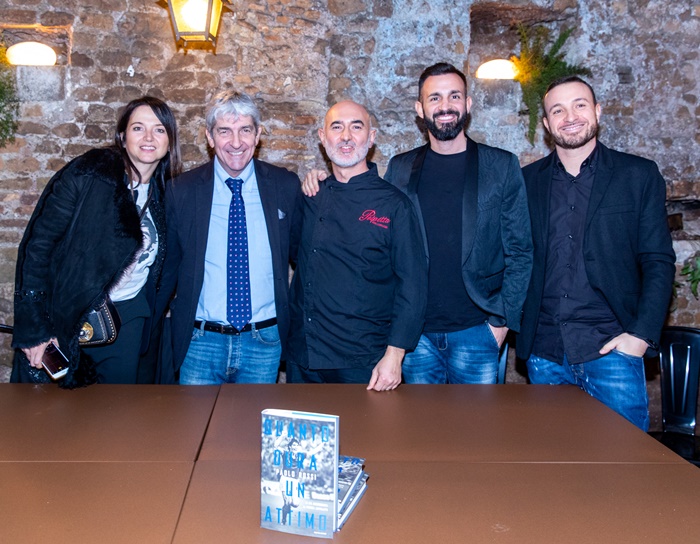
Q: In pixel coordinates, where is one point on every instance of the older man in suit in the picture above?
(231, 225)
(603, 263)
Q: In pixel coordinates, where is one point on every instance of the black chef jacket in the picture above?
(361, 279)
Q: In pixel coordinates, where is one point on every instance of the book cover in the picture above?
(349, 473)
(355, 497)
(299, 472)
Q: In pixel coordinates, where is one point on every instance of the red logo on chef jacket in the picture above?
(371, 216)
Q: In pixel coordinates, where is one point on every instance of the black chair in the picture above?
(6, 328)
(679, 354)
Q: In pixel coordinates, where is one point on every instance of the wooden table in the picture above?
(103, 464)
(468, 503)
(103, 423)
(464, 464)
(469, 423)
(91, 502)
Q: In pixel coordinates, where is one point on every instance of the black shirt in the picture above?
(360, 282)
(440, 192)
(574, 320)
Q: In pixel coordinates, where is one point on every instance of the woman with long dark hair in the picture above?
(96, 240)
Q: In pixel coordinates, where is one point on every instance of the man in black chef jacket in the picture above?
(358, 295)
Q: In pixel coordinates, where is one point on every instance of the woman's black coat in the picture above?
(83, 234)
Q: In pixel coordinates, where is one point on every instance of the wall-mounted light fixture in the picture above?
(31, 54)
(196, 21)
(497, 69)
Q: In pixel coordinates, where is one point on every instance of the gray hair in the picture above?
(231, 103)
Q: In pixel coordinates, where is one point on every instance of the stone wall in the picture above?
(297, 56)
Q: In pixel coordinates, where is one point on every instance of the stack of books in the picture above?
(352, 484)
(306, 487)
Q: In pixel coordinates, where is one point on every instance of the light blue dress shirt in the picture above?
(212, 298)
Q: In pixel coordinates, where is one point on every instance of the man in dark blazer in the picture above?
(231, 225)
(473, 215)
(603, 262)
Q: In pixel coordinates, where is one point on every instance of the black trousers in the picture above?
(119, 362)
(298, 374)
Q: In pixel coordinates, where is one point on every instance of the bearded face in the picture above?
(448, 130)
(347, 153)
(347, 135)
(444, 106)
(574, 135)
(571, 115)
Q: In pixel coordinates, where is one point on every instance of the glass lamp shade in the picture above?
(497, 69)
(196, 20)
(31, 54)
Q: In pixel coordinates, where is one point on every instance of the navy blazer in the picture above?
(188, 209)
(627, 248)
(496, 242)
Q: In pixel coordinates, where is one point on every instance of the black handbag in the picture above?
(101, 325)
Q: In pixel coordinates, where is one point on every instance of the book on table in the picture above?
(299, 472)
(354, 497)
(350, 470)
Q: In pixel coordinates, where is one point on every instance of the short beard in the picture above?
(449, 131)
(577, 141)
(348, 162)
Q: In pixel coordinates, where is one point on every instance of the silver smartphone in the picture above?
(55, 362)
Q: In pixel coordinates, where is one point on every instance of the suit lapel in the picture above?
(415, 172)
(268, 197)
(539, 204)
(470, 199)
(603, 176)
(412, 191)
(203, 197)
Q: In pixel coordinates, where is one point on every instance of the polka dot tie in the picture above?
(238, 308)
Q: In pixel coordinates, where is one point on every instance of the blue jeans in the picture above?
(616, 379)
(214, 358)
(468, 356)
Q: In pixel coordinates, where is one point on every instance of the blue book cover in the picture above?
(299, 472)
(349, 473)
(355, 497)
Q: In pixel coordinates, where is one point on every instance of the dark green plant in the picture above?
(691, 271)
(537, 68)
(9, 102)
